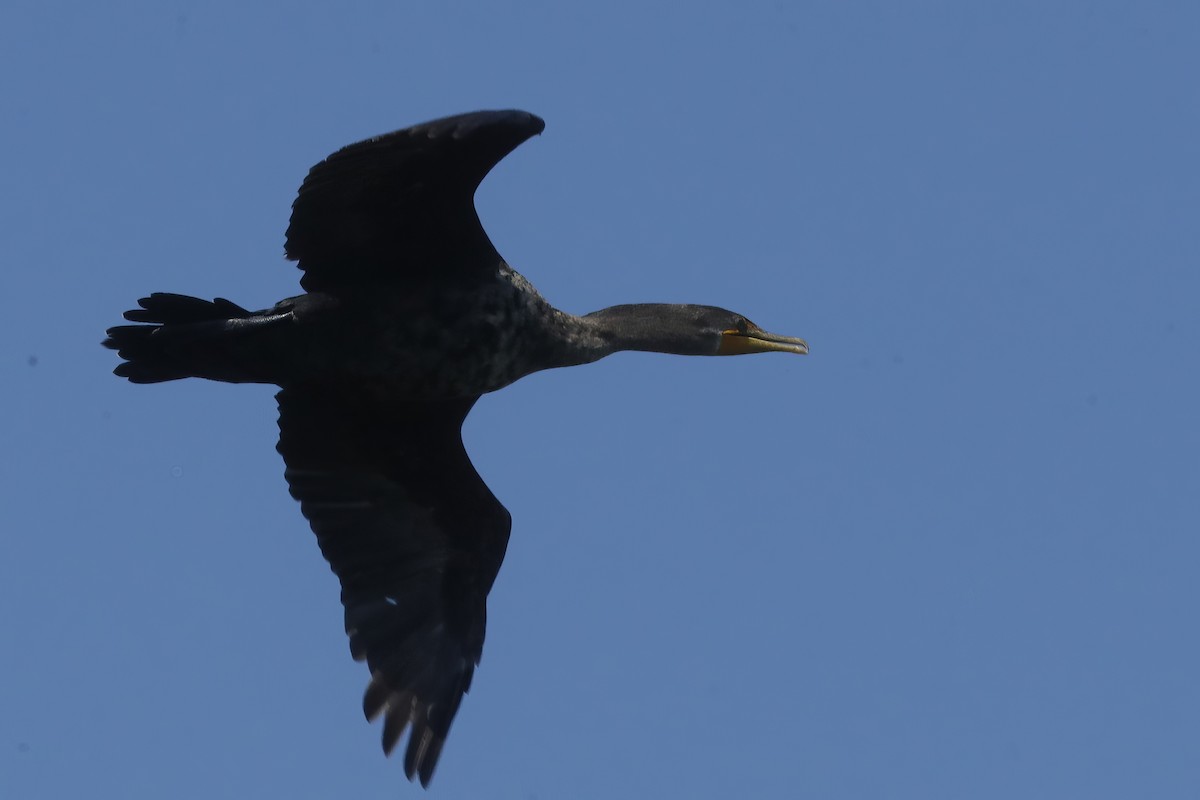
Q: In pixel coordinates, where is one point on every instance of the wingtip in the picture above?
(464, 126)
(420, 760)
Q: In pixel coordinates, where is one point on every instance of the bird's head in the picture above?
(736, 335)
(689, 330)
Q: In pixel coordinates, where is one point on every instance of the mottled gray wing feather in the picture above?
(415, 537)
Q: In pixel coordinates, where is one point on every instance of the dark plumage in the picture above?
(409, 316)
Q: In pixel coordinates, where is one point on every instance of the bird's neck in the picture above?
(648, 327)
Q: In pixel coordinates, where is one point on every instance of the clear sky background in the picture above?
(951, 554)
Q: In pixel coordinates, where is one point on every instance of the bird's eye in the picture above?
(743, 325)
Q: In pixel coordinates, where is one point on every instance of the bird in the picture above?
(409, 315)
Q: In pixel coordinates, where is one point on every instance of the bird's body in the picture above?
(409, 316)
(425, 342)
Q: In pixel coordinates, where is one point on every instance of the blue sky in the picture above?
(950, 554)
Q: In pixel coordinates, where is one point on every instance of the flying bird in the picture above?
(409, 315)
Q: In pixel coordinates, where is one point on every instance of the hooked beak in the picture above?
(756, 340)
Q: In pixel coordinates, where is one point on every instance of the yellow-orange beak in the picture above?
(756, 340)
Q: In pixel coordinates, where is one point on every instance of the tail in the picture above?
(185, 337)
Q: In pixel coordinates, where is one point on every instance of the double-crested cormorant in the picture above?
(409, 316)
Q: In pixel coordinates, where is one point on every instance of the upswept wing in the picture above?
(400, 207)
(415, 537)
